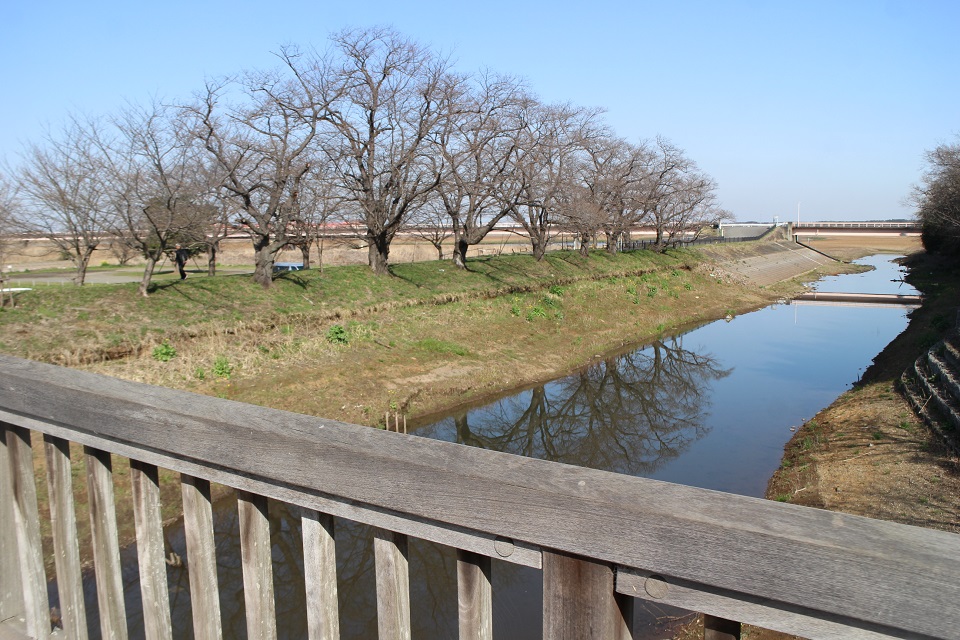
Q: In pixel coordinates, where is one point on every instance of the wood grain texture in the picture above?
(840, 566)
(580, 602)
(66, 547)
(106, 548)
(474, 596)
(201, 558)
(393, 585)
(320, 575)
(26, 519)
(11, 590)
(257, 559)
(150, 553)
(747, 609)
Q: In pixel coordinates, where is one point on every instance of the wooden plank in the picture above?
(579, 600)
(747, 609)
(66, 547)
(201, 558)
(720, 629)
(11, 590)
(415, 526)
(474, 596)
(26, 520)
(320, 575)
(150, 554)
(841, 565)
(106, 548)
(257, 559)
(393, 585)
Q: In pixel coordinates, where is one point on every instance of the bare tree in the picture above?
(157, 183)
(478, 141)
(65, 194)
(937, 199)
(604, 198)
(262, 147)
(431, 223)
(384, 104)
(550, 138)
(8, 207)
(319, 201)
(679, 200)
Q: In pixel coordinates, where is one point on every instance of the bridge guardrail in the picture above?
(600, 539)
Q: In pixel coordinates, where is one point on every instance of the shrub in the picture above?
(337, 335)
(164, 352)
(221, 367)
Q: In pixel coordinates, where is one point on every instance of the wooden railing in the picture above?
(601, 539)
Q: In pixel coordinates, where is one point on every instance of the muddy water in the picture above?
(711, 408)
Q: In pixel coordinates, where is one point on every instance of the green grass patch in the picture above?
(441, 347)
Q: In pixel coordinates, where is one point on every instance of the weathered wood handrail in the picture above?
(795, 569)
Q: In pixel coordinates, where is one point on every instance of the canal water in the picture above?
(711, 408)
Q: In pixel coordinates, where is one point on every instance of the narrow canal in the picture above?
(712, 407)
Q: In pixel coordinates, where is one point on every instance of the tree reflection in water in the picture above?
(629, 414)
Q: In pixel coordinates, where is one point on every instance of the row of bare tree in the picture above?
(377, 133)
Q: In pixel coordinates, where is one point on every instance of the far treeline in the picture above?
(937, 200)
(377, 134)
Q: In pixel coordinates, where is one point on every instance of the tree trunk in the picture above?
(611, 242)
(584, 244)
(305, 253)
(212, 258)
(379, 253)
(439, 247)
(539, 247)
(460, 246)
(148, 268)
(83, 260)
(263, 259)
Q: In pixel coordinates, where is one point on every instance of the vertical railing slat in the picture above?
(393, 585)
(26, 519)
(257, 559)
(201, 558)
(11, 589)
(720, 629)
(320, 575)
(153, 569)
(106, 547)
(579, 600)
(66, 548)
(474, 596)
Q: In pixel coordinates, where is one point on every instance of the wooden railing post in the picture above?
(106, 547)
(11, 589)
(66, 548)
(393, 585)
(580, 601)
(257, 559)
(26, 519)
(153, 568)
(720, 629)
(474, 596)
(320, 575)
(201, 558)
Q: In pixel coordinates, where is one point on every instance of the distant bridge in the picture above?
(908, 228)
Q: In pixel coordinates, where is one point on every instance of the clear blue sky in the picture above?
(830, 104)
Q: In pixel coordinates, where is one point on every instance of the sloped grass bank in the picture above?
(81, 325)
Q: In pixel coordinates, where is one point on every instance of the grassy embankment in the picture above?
(348, 345)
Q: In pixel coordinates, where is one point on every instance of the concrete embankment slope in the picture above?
(766, 263)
